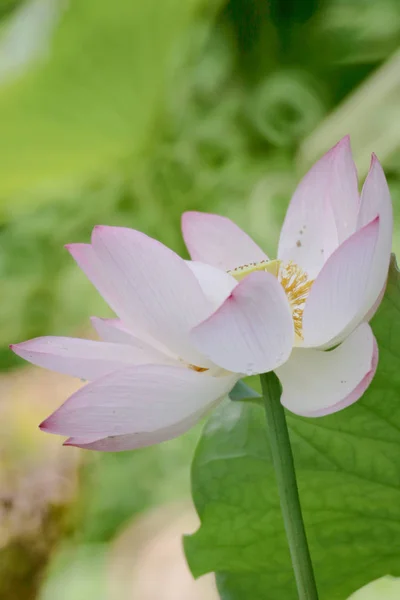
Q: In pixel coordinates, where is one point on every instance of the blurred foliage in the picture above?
(115, 486)
(23, 560)
(91, 98)
(129, 113)
(7, 6)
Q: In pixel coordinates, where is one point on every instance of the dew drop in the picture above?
(250, 369)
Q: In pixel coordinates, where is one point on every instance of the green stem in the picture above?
(282, 458)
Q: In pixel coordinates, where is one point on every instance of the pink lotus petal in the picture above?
(317, 383)
(337, 296)
(130, 441)
(376, 201)
(217, 285)
(322, 212)
(86, 359)
(113, 330)
(343, 189)
(376, 304)
(83, 441)
(150, 287)
(252, 332)
(155, 286)
(218, 241)
(137, 400)
(87, 260)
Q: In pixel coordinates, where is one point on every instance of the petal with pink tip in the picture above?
(156, 290)
(218, 241)
(337, 296)
(130, 441)
(317, 383)
(216, 284)
(137, 400)
(322, 212)
(87, 359)
(343, 189)
(376, 201)
(252, 332)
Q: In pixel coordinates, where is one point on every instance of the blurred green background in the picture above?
(128, 113)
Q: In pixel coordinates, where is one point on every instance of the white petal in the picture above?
(376, 201)
(113, 330)
(322, 212)
(130, 441)
(137, 400)
(86, 359)
(252, 332)
(317, 383)
(156, 287)
(343, 189)
(87, 260)
(216, 284)
(337, 296)
(218, 241)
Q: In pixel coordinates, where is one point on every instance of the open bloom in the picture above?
(188, 330)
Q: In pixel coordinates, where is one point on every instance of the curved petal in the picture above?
(157, 290)
(323, 210)
(130, 441)
(87, 260)
(343, 189)
(137, 400)
(113, 330)
(337, 296)
(376, 201)
(252, 332)
(317, 383)
(87, 359)
(218, 241)
(216, 284)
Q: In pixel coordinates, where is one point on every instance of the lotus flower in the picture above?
(187, 331)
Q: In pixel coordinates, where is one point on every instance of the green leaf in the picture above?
(244, 393)
(92, 98)
(348, 468)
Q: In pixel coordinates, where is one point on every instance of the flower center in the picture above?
(293, 279)
(297, 286)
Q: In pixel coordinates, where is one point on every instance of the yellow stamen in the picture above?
(271, 266)
(197, 369)
(293, 279)
(297, 286)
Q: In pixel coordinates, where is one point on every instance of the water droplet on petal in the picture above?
(250, 370)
